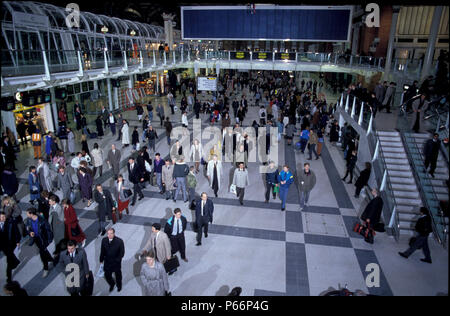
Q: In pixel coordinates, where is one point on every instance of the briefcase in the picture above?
(89, 285)
(172, 264)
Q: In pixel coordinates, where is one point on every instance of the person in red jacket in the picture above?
(73, 229)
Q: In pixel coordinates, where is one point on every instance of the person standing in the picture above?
(85, 180)
(104, 116)
(351, 163)
(48, 145)
(105, 207)
(158, 164)
(76, 256)
(286, 179)
(99, 125)
(307, 181)
(191, 184)
(431, 153)
(389, 97)
(175, 228)
(9, 239)
(97, 157)
(139, 111)
(113, 160)
(9, 182)
(313, 141)
(204, 210)
(240, 180)
(112, 123)
(150, 110)
(65, 182)
(304, 138)
(334, 132)
(372, 212)
(152, 136)
(214, 174)
(196, 154)
(43, 172)
(33, 182)
(167, 179)
(180, 171)
(125, 131)
(271, 181)
(37, 141)
(56, 221)
(159, 242)
(135, 139)
(122, 200)
(135, 176)
(380, 91)
(423, 229)
(111, 254)
(154, 276)
(41, 234)
(363, 179)
(71, 141)
(160, 113)
(169, 127)
(119, 126)
(72, 226)
(419, 107)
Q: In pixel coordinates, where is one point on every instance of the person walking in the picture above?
(204, 210)
(285, 178)
(159, 242)
(431, 153)
(71, 141)
(389, 97)
(160, 113)
(240, 180)
(9, 239)
(168, 180)
(307, 181)
(97, 159)
(313, 141)
(122, 198)
(158, 164)
(423, 229)
(111, 254)
(113, 160)
(119, 126)
(76, 256)
(175, 228)
(85, 181)
(99, 126)
(180, 171)
(168, 126)
(139, 111)
(72, 226)
(214, 174)
(56, 221)
(34, 185)
(135, 176)
(154, 276)
(304, 138)
(125, 131)
(63, 135)
(151, 135)
(196, 154)
(191, 184)
(43, 172)
(112, 123)
(351, 163)
(363, 179)
(40, 232)
(135, 139)
(105, 207)
(36, 139)
(9, 182)
(372, 213)
(419, 107)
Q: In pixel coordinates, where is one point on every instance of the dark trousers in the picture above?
(202, 226)
(349, 171)
(11, 263)
(46, 257)
(358, 190)
(421, 242)
(113, 128)
(110, 280)
(430, 161)
(178, 244)
(312, 149)
(269, 189)
(100, 171)
(119, 134)
(240, 193)
(137, 190)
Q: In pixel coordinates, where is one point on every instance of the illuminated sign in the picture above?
(207, 83)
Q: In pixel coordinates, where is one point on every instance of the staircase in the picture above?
(402, 181)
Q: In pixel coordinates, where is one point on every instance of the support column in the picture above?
(168, 28)
(387, 69)
(54, 118)
(131, 87)
(355, 41)
(110, 97)
(157, 83)
(428, 60)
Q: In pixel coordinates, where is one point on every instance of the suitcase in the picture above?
(89, 285)
(172, 264)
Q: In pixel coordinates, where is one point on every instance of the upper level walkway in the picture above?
(29, 70)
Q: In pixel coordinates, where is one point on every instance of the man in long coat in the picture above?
(113, 160)
(105, 206)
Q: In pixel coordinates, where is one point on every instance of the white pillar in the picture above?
(347, 103)
(428, 59)
(353, 107)
(377, 148)
(361, 112)
(54, 119)
(390, 48)
(369, 129)
(110, 97)
(131, 87)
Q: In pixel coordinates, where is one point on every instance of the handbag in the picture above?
(172, 264)
(276, 189)
(233, 189)
(75, 231)
(147, 166)
(127, 193)
(101, 272)
(34, 190)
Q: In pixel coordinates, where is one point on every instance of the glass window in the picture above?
(85, 86)
(70, 90)
(76, 88)
(91, 85)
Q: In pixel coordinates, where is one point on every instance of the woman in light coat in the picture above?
(154, 276)
(125, 134)
(215, 184)
(240, 180)
(71, 141)
(196, 154)
(184, 120)
(97, 159)
(167, 179)
(43, 171)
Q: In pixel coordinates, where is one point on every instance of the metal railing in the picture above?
(426, 189)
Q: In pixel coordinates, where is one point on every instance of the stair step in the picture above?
(393, 149)
(412, 202)
(386, 133)
(438, 182)
(403, 180)
(407, 226)
(400, 161)
(408, 209)
(421, 135)
(395, 155)
(408, 217)
(406, 194)
(400, 174)
(442, 197)
(440, 189)
(390, 139)
(391, 144)
(398, 167)
(403, 187)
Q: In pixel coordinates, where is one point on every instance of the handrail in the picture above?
(425, 199)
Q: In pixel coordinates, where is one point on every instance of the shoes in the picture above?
(185, 260)
(132, 204)
(175, 201)
(431, 174)
(103, 232)
(274, 197)
(349, 182)
(45, 274)
(198, 244)
(206, 235)
(403, 255)
(167, 198)
(266, 201)
(357, 196)
(317, 158)
(308, 158)
(141, 198)
(425, 260)
(343, 179)
(282, 209)
(111, 287)
(119, 288)
(186, 201)
(242, 203)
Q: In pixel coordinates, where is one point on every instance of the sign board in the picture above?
(240, 55)
(262, 56)
(207, 84)
(284, 56)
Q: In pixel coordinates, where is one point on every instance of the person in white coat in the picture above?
(275, 111)
(71, 141)
(214, 173)
(97, 159)
(196, 154)
(184, 120)
(43, 172)
(125, 134)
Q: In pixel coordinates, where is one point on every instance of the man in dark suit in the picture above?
(431, 153)
(112, 252)
(135, 176)
(175, 228)
(105, 207)
(203, 214)
(423, 229)
(76, 256)
(372, 212)
(9, 240)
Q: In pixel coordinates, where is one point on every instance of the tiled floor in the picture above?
(255, 246)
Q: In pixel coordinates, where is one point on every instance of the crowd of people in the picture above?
(296, 110)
